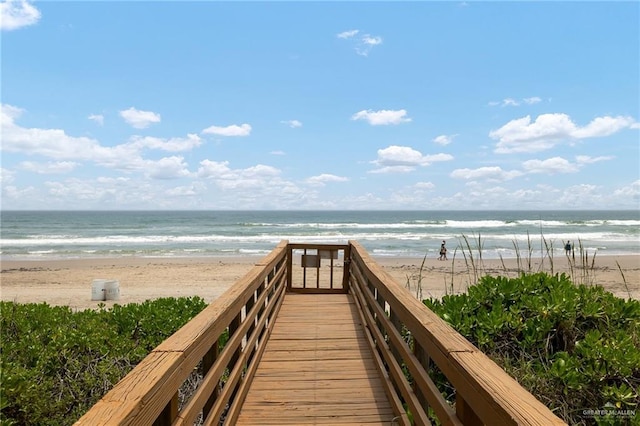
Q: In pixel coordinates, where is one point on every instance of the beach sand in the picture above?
(69, 282)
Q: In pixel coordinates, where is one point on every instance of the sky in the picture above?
(320, 105)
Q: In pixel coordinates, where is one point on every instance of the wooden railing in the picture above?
(243, 316)
(411, 341)
(222, 346)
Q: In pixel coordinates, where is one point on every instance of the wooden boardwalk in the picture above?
(317, 368)
(361, 350)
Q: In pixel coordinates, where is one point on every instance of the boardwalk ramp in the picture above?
(316, 334)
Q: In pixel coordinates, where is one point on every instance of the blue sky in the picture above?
(323, 105)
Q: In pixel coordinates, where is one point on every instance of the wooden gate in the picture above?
(314, 269)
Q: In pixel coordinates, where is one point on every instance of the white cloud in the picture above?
(57, 145)
(232, 130)
(585, 159)
(494, 173)
(393, 169)
(48, 167)
(366, 44)
(172, 144)
(551, 166)
(631, 191)
(292, 123)
(214, 169)
(9, 113)
(110, 180)
(399, 155)
(557, 165)
(97, 118)
(604, 126)
(371, 40)
(532, 100)
(579, 196)
(16, 14)
(6, 176)
(348, 34)
(514, 102)
(362, 44)
(167, 168)
(18, 195)
(424, 185)
(139, 119)
(227, 178)
(403, 159)
(523, 135)
(383, 117)
(53, 143)
(444, 139)
(277, 153)
(323, 179)
(194, 189)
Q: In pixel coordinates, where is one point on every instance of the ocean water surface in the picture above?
(81, 234)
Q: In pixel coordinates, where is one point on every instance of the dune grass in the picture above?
(564, 338)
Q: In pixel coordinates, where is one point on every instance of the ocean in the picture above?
(35, 235)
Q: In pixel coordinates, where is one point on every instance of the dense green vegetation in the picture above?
(57, 363)
(576, 348)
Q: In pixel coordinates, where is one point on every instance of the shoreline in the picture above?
(67, 282)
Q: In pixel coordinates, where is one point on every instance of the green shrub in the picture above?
(576, 348)
(57, 363)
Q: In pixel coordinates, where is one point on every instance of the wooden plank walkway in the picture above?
(317, 368)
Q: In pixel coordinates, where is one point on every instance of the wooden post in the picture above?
(304, 271)
(169, 414)
(331, 270)
(381, 302)
(425, 361)
(397, 324)
(261, 290)
(346, 268)
(233, 329)
(207, 362)
(318, 269)
(250, 303)
(465, 413)
(289, 267)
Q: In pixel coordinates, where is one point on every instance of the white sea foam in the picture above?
(384, 233)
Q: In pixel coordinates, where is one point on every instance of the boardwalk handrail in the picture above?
(244, 316)
(485, 394)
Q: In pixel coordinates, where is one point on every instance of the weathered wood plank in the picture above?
(321, 344)
(354, 383)
(354, 420)
(327, 354)
(318, 396)
(129, 403)
(317, 368)
(307, 412)
(501, 391)
(311, 375)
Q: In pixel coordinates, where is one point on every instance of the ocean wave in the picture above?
(124, 240)
(463, 224)
(166, 234)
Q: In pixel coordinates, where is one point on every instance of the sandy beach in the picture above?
(69, 282)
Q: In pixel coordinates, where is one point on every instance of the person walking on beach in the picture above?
(443, 251)
(567, 248)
